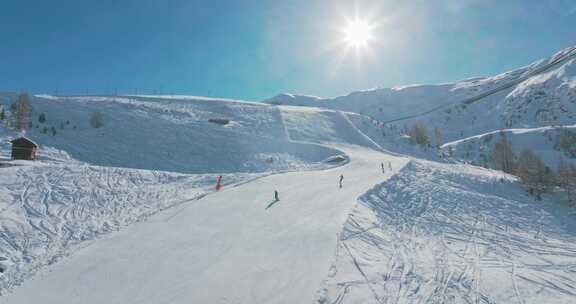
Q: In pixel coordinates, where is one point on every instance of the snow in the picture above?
(438, 233)
(168, 134)
(84, 186)
(541, 141)
(544, 96)
(47, 211)
(128, 213)
(236, 245)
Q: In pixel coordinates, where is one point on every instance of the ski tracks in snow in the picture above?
(438, 233)
(48, 209)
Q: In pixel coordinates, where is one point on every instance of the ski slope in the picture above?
(420, 232)
(438, 233)
(84, 185)
(48, 210)
(234, 246)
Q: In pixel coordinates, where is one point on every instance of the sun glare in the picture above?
(357, 33)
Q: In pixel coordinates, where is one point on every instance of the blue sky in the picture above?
(252, 50)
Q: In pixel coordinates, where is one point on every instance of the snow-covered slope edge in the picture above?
(439, 233)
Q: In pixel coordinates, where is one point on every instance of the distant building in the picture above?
(23, 148)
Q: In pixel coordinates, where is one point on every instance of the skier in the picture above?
(341, 179)
(276, 198)
(382, 165)
(218, 183)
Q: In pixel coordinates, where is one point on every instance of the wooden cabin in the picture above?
(23, 148)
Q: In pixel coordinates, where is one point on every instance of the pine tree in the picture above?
(97, 120)
(42, 118)
(418, 135)
(437, 137)
(22, 110)
(2, 114)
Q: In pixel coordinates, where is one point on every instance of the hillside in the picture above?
(166, 133)
(543, 141)
(540, 95)
(412, 231)
(438, 233)
(152, 154)
(238, 241)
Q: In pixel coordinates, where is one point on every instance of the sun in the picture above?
(357, 33)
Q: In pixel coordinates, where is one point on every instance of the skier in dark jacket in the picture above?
(276, 197)
(341, 179)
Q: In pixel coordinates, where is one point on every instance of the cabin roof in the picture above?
(23, 141)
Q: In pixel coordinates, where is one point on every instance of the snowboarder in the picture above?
(219, 183)
(276, 198)
(341, 179)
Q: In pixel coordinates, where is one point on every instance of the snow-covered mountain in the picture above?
(539, 95)
(542, 93)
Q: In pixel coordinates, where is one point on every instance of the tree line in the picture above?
(534, 174)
